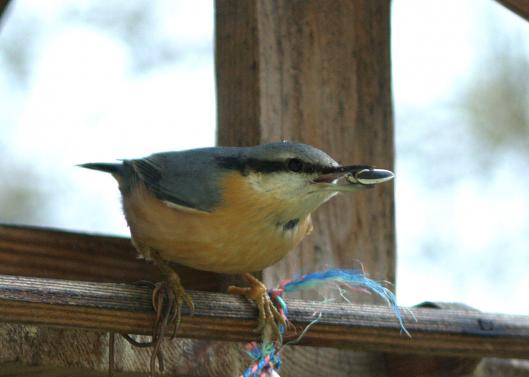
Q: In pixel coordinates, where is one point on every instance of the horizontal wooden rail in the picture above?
(127, 308)
(50, 253)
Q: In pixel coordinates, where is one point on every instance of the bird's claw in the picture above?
(168, 298)
(269, 315)
(269, 318)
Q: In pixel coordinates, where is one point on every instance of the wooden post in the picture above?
(316, 72)
(3, 7)
(520, 7)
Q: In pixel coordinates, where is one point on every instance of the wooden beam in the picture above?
(520, 7)
(316, 72)
(400, 365)
(3, 7)
(50, 253)
(127, 308)
(16, 369)
(408, 365)
(494, 367)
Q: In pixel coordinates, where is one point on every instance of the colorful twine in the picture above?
(266, 355)
(267, 360)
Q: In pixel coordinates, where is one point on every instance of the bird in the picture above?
(230, 210)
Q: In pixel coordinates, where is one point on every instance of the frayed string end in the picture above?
(349, 277)
(266, 356)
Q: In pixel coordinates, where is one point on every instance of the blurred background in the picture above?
(78, 79)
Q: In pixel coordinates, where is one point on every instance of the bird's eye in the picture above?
(295, 165)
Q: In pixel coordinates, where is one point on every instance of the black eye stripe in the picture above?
(265, 166)
(295, 165)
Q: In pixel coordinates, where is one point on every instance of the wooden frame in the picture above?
(271, 74)
(126, 308)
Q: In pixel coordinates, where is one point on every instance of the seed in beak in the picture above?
(370, 176)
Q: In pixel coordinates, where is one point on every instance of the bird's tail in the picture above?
(107, 167)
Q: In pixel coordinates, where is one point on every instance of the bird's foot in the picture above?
(269, 317)
(168, 298)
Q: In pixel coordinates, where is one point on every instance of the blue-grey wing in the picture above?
(185, 179)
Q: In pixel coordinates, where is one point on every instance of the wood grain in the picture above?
(493, 367)
(127, 308)
(49, 253)
(14, 369)
(430, 366)
(316, 72)
(237, 63)
(408, 365)
(520, 7)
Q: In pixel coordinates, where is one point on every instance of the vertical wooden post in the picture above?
(3, 7)
(316, 71)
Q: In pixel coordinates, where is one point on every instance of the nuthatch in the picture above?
(230, 209)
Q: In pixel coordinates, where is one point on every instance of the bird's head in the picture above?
(300, 175)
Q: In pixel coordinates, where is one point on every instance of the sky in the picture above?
(462, 229)
(82, 92)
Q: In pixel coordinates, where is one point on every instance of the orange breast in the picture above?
(241, 235)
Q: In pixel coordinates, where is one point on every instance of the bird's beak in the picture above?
(352, 178)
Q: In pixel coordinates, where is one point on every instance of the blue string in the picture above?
(259, 353)
(350, 277)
